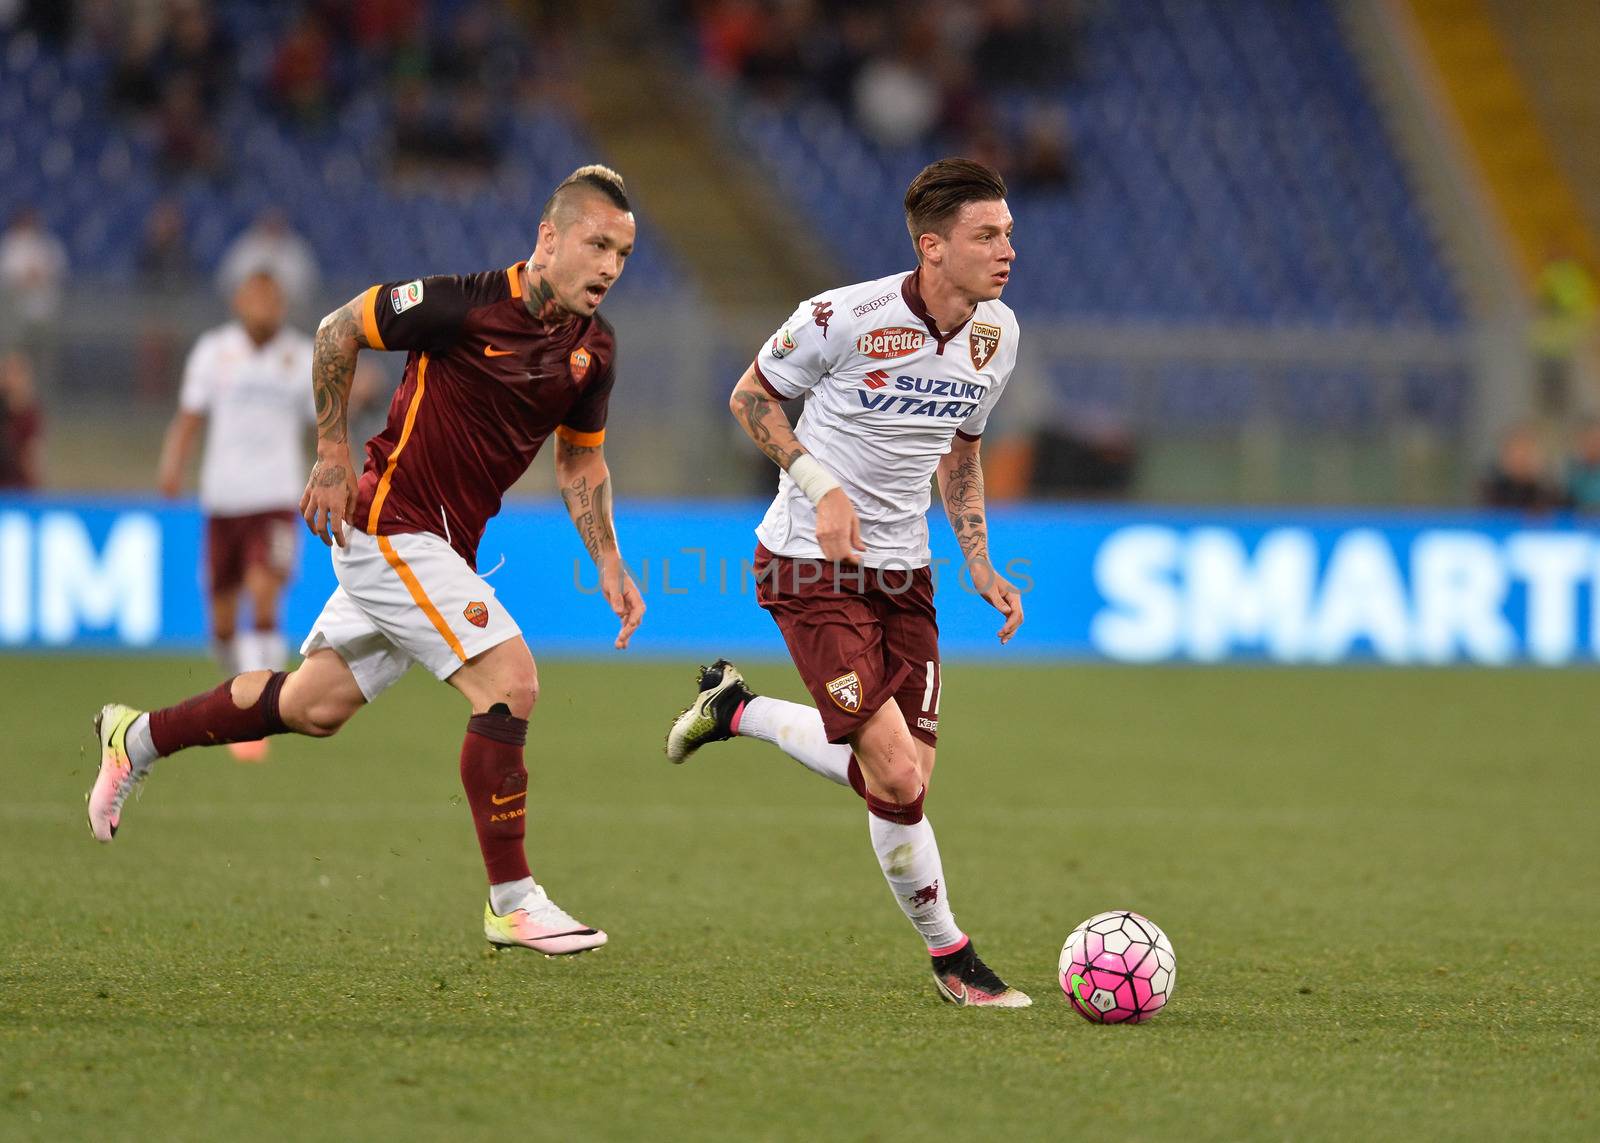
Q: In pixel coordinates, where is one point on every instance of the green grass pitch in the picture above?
(1381, 888)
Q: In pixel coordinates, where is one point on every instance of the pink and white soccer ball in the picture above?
(1118, 968)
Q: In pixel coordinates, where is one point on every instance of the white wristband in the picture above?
(814, 480)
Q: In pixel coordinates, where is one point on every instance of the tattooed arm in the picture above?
(960, 477)
(330, 496)
(763, 419)
(585, 483)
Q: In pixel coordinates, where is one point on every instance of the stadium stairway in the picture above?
(1505, 133)
(1555, 45)
(715, 209)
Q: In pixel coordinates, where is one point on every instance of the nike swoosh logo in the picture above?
(1078, 985)
(491, 351)
(957, 997)
(499, 801)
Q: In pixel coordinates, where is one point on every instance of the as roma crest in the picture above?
(579, 361)
(982, 341)
(476, 614)
(845, 691)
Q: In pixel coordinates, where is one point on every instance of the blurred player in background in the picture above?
(498, 362)
(245, 383)
(899, 376)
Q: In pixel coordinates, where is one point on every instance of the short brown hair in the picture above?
(943, 187)
(594, 177)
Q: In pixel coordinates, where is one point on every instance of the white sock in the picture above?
(797, 731)
(909, 857)
(226, 653)
(261, 651)
(140, 746)
(506, 896)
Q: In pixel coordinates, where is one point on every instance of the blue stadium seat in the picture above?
(1232, 166)
(61, 138)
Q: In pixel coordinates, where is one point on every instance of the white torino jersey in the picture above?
(885, 396)
(258, 403)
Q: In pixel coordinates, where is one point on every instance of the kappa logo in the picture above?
(782, 344)
(866, 308)
(579, 362)
(476, 613)
(927, 895)
(931, 725)
(894, 341)
(822, 314)
(845, 691)
(402, 298)
(982, 343)
(877, 379)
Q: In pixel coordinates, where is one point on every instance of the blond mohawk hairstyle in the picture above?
(594, 177)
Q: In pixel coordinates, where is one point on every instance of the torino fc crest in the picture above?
(845, 691)
(982, 342)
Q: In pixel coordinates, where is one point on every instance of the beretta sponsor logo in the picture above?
(895, 341)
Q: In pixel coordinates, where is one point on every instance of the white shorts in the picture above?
(406, 599)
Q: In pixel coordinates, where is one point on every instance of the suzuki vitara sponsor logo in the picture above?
(914, 396)
(895, 341)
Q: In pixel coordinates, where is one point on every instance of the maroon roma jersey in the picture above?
(485, 383)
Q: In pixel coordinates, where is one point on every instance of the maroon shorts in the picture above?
(859, 637)
(234, 544)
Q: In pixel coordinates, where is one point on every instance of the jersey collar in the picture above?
(911, 291)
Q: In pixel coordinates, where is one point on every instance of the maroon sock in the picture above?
(497, 790)
(213, 718)
(908, 813)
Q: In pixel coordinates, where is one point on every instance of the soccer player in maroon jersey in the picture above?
(498, 361)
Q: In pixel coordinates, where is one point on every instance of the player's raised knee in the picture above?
(901, 783)
(321, 717)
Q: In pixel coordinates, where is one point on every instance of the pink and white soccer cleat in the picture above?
(117, 778)
(964, 980)
(541, 925)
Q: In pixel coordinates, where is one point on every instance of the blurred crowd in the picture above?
(909, 74)
(1536, 470)
(176, 69)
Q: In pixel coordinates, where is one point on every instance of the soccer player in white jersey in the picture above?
(899, 377)
(245, 383)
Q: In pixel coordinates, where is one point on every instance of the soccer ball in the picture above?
(1118, 968)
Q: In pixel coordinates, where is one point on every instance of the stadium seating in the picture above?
(1232, 169)
(95, 174)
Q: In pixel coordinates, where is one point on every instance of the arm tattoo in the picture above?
(333, 366)
(963, 503)
(567, 451)
(755, 411)
(590, 510)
